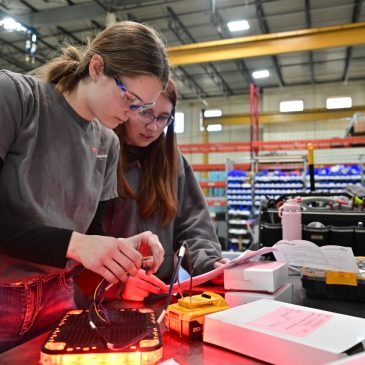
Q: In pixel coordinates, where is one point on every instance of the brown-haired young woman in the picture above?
(158, 192)
(58, 162)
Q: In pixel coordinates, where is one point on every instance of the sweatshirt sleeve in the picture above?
(194, 225)
(30, 241)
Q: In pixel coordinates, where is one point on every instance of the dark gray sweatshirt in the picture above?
(192, 223)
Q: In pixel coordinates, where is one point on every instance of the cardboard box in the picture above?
(258, 276)
(285, 334)
(283, 294)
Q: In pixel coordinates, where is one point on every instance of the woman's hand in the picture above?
(220, 262)
(219, 280)
(114, 259)
(147, 244)
(138, 287)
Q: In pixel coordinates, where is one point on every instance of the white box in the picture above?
(257, 275)
(358, 359)
(283, 333)
(283, 294)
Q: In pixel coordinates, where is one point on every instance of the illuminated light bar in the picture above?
(74, 342)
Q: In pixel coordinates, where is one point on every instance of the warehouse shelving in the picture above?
(239, 208)
(336, 178)
(236, 218)
(216, 201)
(277, 175)
(273, 145)
(269, 146)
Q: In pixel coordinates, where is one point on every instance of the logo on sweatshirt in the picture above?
(94, 151)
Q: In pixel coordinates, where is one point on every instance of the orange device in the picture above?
(187, 315)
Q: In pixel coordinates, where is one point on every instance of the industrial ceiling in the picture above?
(300, 42)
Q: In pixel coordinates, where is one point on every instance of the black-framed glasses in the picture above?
(135, 103)
(147, 117)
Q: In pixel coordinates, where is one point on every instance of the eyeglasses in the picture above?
(132, 99)
(147, 117)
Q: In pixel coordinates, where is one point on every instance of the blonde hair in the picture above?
(127, 48)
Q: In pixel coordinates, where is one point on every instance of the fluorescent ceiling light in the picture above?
(291, 106)
(179, 122)
(214, 127)
(338, 102)
(260, 74)
(238, 25)
(210, 113)
(10, 24)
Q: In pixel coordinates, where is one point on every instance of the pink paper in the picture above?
(294, 322)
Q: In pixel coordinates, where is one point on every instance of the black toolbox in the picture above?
(325, 221)
(348, 286)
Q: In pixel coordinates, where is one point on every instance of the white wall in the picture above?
(314, 97)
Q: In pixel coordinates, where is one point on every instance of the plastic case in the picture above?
(350, 286)
(187, 316)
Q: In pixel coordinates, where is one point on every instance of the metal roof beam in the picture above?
(24, 67)
(184, 77)
(224, 33)
(265, 29)
(179, 72)
(355, 18)
(269, 44)
(308, 19)
(69, 34)
(63, 15)
(179, 29)
(39, 58)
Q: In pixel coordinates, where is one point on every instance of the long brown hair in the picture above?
(127, 48)
(157, 191)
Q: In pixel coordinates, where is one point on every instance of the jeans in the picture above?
(28, 309)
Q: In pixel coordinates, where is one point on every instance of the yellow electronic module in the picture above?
(187, 316)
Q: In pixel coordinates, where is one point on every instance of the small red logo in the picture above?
(94, 150)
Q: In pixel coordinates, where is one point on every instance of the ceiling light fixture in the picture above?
(261, 74)
(238, 25)
(211, 113)
(338, 102)
(10, 25)
(214, 127)
(291, 106)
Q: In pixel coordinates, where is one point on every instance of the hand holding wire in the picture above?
(106, 256)
(138, 287)
(147, 243)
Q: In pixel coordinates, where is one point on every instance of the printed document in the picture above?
(308, 254)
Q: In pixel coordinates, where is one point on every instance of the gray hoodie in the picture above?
(192, 223)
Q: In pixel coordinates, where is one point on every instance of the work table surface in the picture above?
(186, 351)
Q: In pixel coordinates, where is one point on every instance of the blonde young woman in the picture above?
(58, 160)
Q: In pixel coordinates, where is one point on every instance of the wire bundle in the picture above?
(101, 312)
